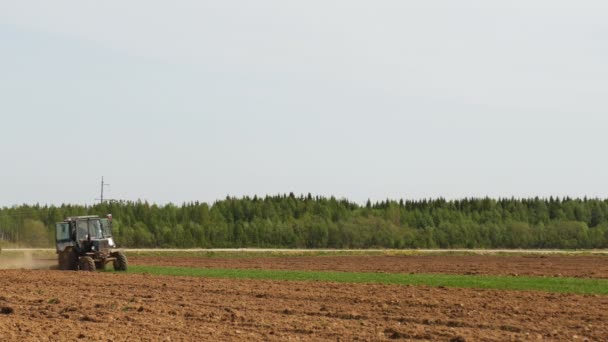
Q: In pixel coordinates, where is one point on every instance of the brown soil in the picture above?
(68, 306)
(541, 265)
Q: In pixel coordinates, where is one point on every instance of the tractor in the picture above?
(85, 243)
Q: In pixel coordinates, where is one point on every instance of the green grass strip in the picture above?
(237, 254)
(546, 284)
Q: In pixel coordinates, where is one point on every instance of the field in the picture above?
(178, 296)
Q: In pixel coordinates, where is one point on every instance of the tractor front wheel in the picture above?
(87, 264)
(120, 263)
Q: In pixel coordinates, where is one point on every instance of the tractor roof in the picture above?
(76, 218)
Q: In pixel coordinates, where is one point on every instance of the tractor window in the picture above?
(62, 231)
(95, 229)
(82, 230)
(106, 227)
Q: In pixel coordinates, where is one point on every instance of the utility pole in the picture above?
(102, 185)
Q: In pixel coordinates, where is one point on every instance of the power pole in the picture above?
(102, 185)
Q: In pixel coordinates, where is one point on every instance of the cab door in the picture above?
(62, 236)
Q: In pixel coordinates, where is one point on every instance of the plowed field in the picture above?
(533, 265)
(60, 306)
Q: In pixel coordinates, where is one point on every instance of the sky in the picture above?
(197, 100)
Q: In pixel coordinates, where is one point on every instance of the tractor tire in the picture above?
(120, 263)
(62, 260)
(87, 264)
(68, 260)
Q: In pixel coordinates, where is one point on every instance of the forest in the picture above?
(304, 221)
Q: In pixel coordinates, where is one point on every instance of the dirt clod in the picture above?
(458, 339)
(394, 334)
(87, 318)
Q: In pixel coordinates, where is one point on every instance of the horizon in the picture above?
(317, 197)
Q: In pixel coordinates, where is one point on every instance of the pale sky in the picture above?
(177, 101)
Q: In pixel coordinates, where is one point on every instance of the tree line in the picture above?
(290, 221)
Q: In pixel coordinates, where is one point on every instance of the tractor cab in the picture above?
(85, 233)
(94, 234)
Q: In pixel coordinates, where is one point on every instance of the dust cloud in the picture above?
(24, 260)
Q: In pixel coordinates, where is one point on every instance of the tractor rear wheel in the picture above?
(68, 260)
(120, 263)
(62, 260)
(87, 264)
